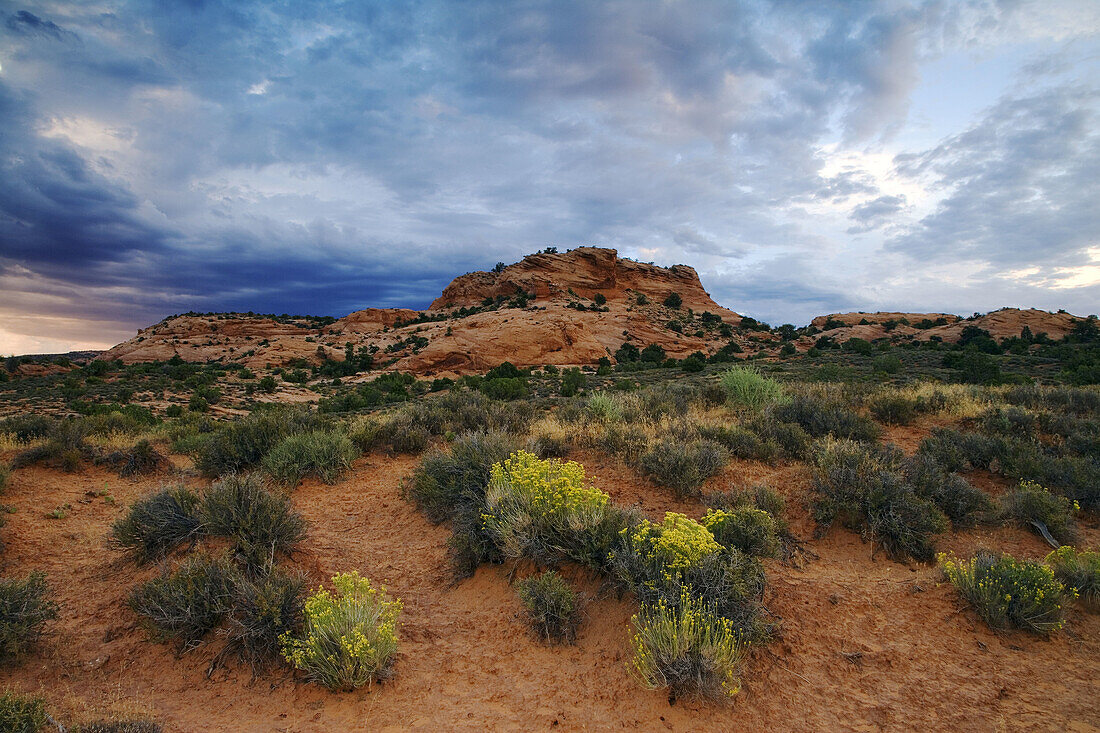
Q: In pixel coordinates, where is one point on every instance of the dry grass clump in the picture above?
(683, 466)
(324, 454)
(186, 604)
(25, 607)
(158, 524)
(259, 522)
(552, 606)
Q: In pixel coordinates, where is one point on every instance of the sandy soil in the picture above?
(865, 645)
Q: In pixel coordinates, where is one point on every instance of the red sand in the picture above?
(865, 644)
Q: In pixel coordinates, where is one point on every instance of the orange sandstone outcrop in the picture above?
(562, 325)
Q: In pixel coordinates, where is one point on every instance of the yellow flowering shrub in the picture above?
(541, 508)
(687, 648)
(1079, 570)
(350, 636)
(1009, 592)
(675, 544)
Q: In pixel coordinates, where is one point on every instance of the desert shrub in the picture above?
(240, 445)
(158, 524)
(185, 605)
(740, 442)
(1033, 506)
(537, 509)
(119, 726)
(1078, 570)
(604, 407)
(886, 363)
(26, 428)
(450, 482)
(25, 607)
(683, 466)
(326, 454)
(672, 546)
(260, 523)
(626, 441)
(759, 496)
(64, 449)
(141, 459)
(688, 649)
(792, 440)
(864, 489)
(894, 409)
(21, 713)
(349, 637)
(549, 440)
(551, 606)
(404, 435)
(746, 387)
(958, 451)
(751, 530)
(366, 433)
(965, 505)
(1077, 401)
(264, 610)
(819, 419)
(1008, 592)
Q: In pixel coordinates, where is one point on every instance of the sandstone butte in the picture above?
(541, 310)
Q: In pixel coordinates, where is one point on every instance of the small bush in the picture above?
(741, 443)
(142, 459)
(1080, 571)
(687, 649)
(243, 444)
(404, 435)
(25, 607)
(259, 522)
(628, 442)
(864, 489)
(185, 605)
(158, 524)
(21, 714)
(549, 440)
(819, 419)
(751, 530)
(746, 387)
(551, 605)
(26, 428)
(264, 610)
(1008, 592)
(792, 440)
(965, 505)
(325, 454)
(450, 482)
(683, 466)
(350, 636)
(894, 409)
(1032, 506)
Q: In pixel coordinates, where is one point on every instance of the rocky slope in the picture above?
(480, 320)
(566, 309)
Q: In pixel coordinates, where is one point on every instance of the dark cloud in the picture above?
(158, 157)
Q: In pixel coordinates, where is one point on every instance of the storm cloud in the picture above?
(311, 157)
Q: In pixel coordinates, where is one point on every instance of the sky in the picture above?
(806, 157)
